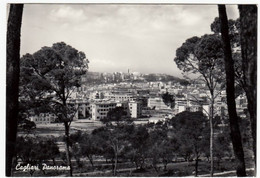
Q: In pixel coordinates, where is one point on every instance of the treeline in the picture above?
(184, 137)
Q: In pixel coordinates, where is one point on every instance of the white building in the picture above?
(135, 109)
(157, 103)
(118, 96)
(241, 105)
(96, 95)
(206, 109)
(194, 106)
(83, 109)
(100, 109)
(43, 118)
(180, 106)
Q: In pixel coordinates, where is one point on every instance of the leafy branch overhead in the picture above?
(202, 56)
(48, 78)
(52, 73)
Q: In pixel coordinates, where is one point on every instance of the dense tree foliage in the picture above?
(145, 147)
(114, 138)
(117, 114)
(36, 150)
(48, 77)
(234, 38)
(168, 99)
(248, 37)
(139, 146)
(204, 56)
(26, 125)
(191, 130)
(222, 147)
(84, 145)
(161, 144)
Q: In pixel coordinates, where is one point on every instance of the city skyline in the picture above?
(114, 37)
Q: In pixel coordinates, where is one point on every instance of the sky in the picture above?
(118, 37)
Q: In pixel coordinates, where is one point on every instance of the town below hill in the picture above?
(116, 77)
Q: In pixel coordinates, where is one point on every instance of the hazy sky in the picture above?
(141, 38)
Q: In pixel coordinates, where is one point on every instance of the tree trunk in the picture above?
(91, 161)
(136, 163)
(211, 134)
(248, 37)
(142, 162)
(12, 81)
(116, 159)
(230, 90)
(67, 140)
(196, 166)
(165, 165)
(53, 161)
(78, 161)
(113, 164)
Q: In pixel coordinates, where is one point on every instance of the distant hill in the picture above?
(99, 77)
(163, 78)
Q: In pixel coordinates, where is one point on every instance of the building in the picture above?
(43, 118)
(241, 105)
(125, 106)
(96, 95)
(195, 106)
(180, 106)
(183, 104)
(83, 110)
(99, 110)
(121, 97)
(157, 103)
(135, 109)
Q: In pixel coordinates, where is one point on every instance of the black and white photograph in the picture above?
(130, 89)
